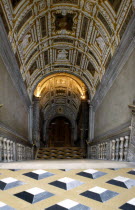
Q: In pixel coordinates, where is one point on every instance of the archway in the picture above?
(59, 132)
(58, 101)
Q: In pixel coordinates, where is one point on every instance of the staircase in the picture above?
(60, 153)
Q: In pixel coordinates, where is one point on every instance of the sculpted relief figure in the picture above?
(62, 55)
(26, 41)
(100, 42)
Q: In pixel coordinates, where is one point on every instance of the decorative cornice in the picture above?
(11, 132)
(12, 67)
(114, 133)
(119, 59)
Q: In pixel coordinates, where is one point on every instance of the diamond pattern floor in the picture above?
(74, 189)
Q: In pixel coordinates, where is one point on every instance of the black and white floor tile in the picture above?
(99, 194)
(9, 182)
(69, 205)
(4, 206)
(130, 205)
(66, 183)
(122, 182)
(34, 195)
(38, 174)
(132, 172)
(63, 189)
(91, 173)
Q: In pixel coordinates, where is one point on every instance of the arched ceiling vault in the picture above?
(61, 93)
(73, 36)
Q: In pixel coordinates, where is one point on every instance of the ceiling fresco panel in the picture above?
(46, 57)
(33, 68)
(65, 1)
(78, 58)
(84, 27)
(91, 68)
(75, 36)
(25, 19)
(115, 4)
(43, 22)
(64, 22)
(63, 40)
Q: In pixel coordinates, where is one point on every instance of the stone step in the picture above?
(61, 153)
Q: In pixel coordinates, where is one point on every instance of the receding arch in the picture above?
(52, 74)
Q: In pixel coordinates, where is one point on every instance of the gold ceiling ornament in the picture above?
(37, 28)
(60, 81)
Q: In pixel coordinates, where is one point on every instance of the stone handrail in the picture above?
(116, 149)
(12, 151)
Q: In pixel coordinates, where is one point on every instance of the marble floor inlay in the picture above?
(122, 182)
(68, 204)
(99, 194)
(67, 189)
(4, 206)
(9, 182)
(132, 172)
(91, 173)
(38, 174)
(130, 205)
(34, 195)
(66, 183)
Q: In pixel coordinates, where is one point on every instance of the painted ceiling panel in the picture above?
(72, 36)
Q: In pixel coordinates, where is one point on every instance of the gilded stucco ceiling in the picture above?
(61, 89)
(73, 36)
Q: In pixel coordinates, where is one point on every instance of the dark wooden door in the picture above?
(60, 133)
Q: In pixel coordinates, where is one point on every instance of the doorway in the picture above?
(59, 132)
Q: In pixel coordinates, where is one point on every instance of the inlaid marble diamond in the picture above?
(99, 194)
(66, 183)
(122, 182)
(114, 169)
(91, 173)
(4, 206)
(65, 169)
(34, 195)
(68, 204)
(14, 169)
(9, 182)
(132, 172)
(130, 205)
(38, 174)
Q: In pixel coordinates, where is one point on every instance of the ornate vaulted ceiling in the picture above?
(61, 90)
(73, 36)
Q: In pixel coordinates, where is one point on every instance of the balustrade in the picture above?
(117, 149)
(126, 144)
(8, 148)
(1, 148)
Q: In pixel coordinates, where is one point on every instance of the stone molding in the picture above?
(119, 59)
(12, 67)
(123, 129)
(9, 133)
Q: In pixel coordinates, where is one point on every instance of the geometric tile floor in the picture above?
(76, 189)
